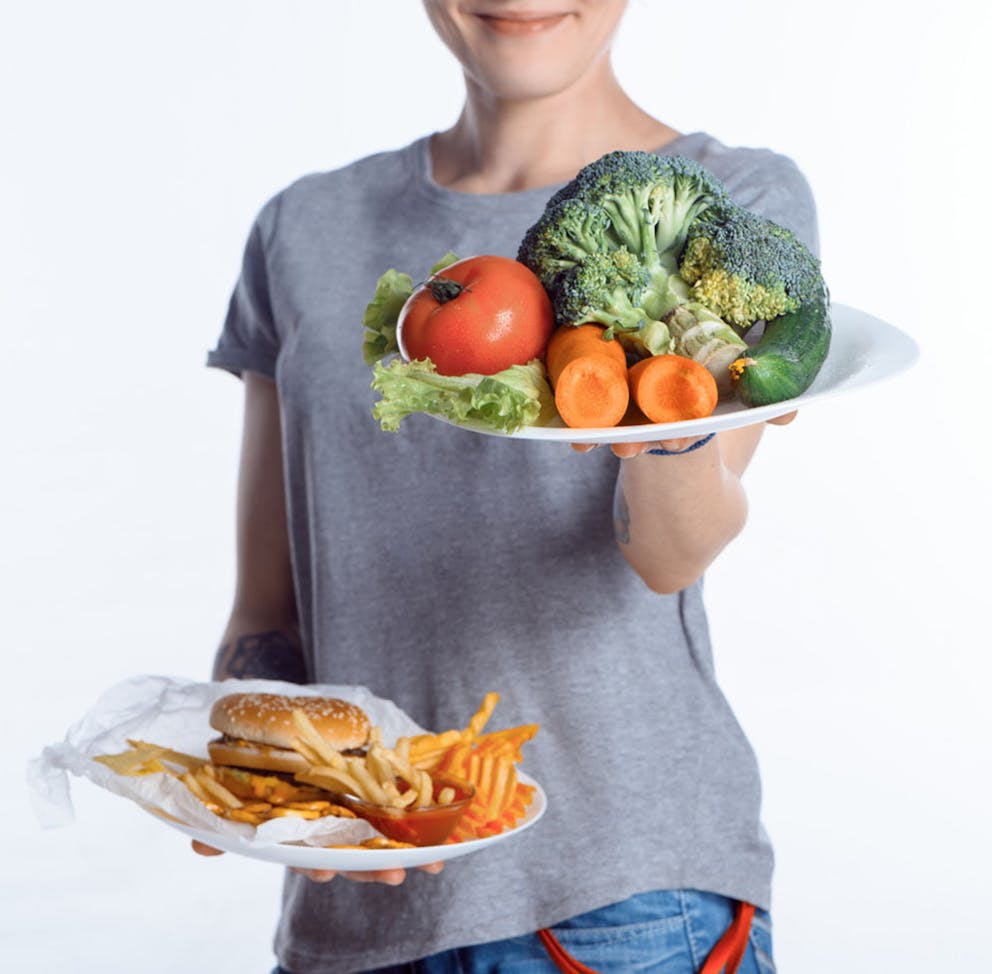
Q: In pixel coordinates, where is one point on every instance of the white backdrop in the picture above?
(850, 619)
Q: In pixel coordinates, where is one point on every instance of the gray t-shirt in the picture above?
(435, 564)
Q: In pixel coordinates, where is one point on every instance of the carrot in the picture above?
(588, 376)
(669, 388)
(592, 392)
(570, 341)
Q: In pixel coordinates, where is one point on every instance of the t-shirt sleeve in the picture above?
(249, 339)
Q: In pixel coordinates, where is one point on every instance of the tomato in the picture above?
(481, 314)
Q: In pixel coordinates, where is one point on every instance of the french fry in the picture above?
(425, 791)
(379, 765)
(402, 768)
(142, 759)
(332, 780)
(301, 747)
(194, 786)
(497, 792)
(260, 807)
(485, 777)
(213, 787)
(283, 812)
(482, 715)
(428, 743)
(372, 790)
(311, 736)
(381, 842)
(240, 815)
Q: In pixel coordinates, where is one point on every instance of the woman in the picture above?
(436, 564)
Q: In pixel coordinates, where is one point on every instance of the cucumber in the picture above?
(787, 358)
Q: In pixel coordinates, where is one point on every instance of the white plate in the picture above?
(863, 350)
(362, 860)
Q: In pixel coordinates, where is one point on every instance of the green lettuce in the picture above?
(516, 397)
(383, 311)
(381, 314)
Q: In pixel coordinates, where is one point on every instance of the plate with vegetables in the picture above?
(644, 304)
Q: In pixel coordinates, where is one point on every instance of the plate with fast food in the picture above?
(306, 777)
(377, 853)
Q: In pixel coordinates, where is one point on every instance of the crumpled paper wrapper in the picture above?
(175, 713)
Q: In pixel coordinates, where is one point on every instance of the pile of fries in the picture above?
(201, 778)
(489, 762)
(400, 777)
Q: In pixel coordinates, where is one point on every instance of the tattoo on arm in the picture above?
(621, 515)
(274, 655)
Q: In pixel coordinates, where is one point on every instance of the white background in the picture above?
(851, 618)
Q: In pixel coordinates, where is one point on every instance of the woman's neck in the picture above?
(500, 146)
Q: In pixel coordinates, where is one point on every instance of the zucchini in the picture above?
(786, 359)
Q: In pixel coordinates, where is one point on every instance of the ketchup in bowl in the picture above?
(429, 825)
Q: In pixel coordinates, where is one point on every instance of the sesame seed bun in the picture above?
(259, 732)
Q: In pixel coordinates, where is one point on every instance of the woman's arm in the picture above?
(262, 635)
(674, 514)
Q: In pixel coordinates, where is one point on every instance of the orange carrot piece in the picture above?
(571, 341)
(592, 391)
(670, 388)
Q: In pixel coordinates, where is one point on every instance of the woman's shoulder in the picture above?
(344, 190)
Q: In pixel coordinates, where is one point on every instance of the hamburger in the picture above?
(254, 756)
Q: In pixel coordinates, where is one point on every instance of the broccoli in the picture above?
(605, 288)
(629, 214)
(745, 268)
(576, 231)
(653, 248)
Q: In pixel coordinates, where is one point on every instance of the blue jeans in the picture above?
(665, 932)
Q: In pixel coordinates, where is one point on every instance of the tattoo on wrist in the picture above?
(273, 655)
(621, 516)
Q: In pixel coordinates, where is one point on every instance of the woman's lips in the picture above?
(516, 26)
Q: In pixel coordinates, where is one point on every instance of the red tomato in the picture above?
(481, 314)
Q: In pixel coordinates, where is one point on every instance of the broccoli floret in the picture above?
(605, 289)
(746, 268)
(634, 208)
(565, 236)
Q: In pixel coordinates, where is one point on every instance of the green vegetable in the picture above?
(516, 397)
(654, 249)
(603, 290)
(446, 261)
(745, 268)
(608, 244)
(382, 313)
(787, 358)
(699, 334)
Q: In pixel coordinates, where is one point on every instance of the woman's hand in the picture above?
(673, 515)
(391, 877)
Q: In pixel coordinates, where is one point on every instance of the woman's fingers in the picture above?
(432, 867)
(391, 877)
(785, 419)
(627, 450)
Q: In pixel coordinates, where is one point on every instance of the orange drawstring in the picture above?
(725, 957)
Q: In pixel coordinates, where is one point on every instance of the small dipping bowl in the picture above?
(429, 825)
